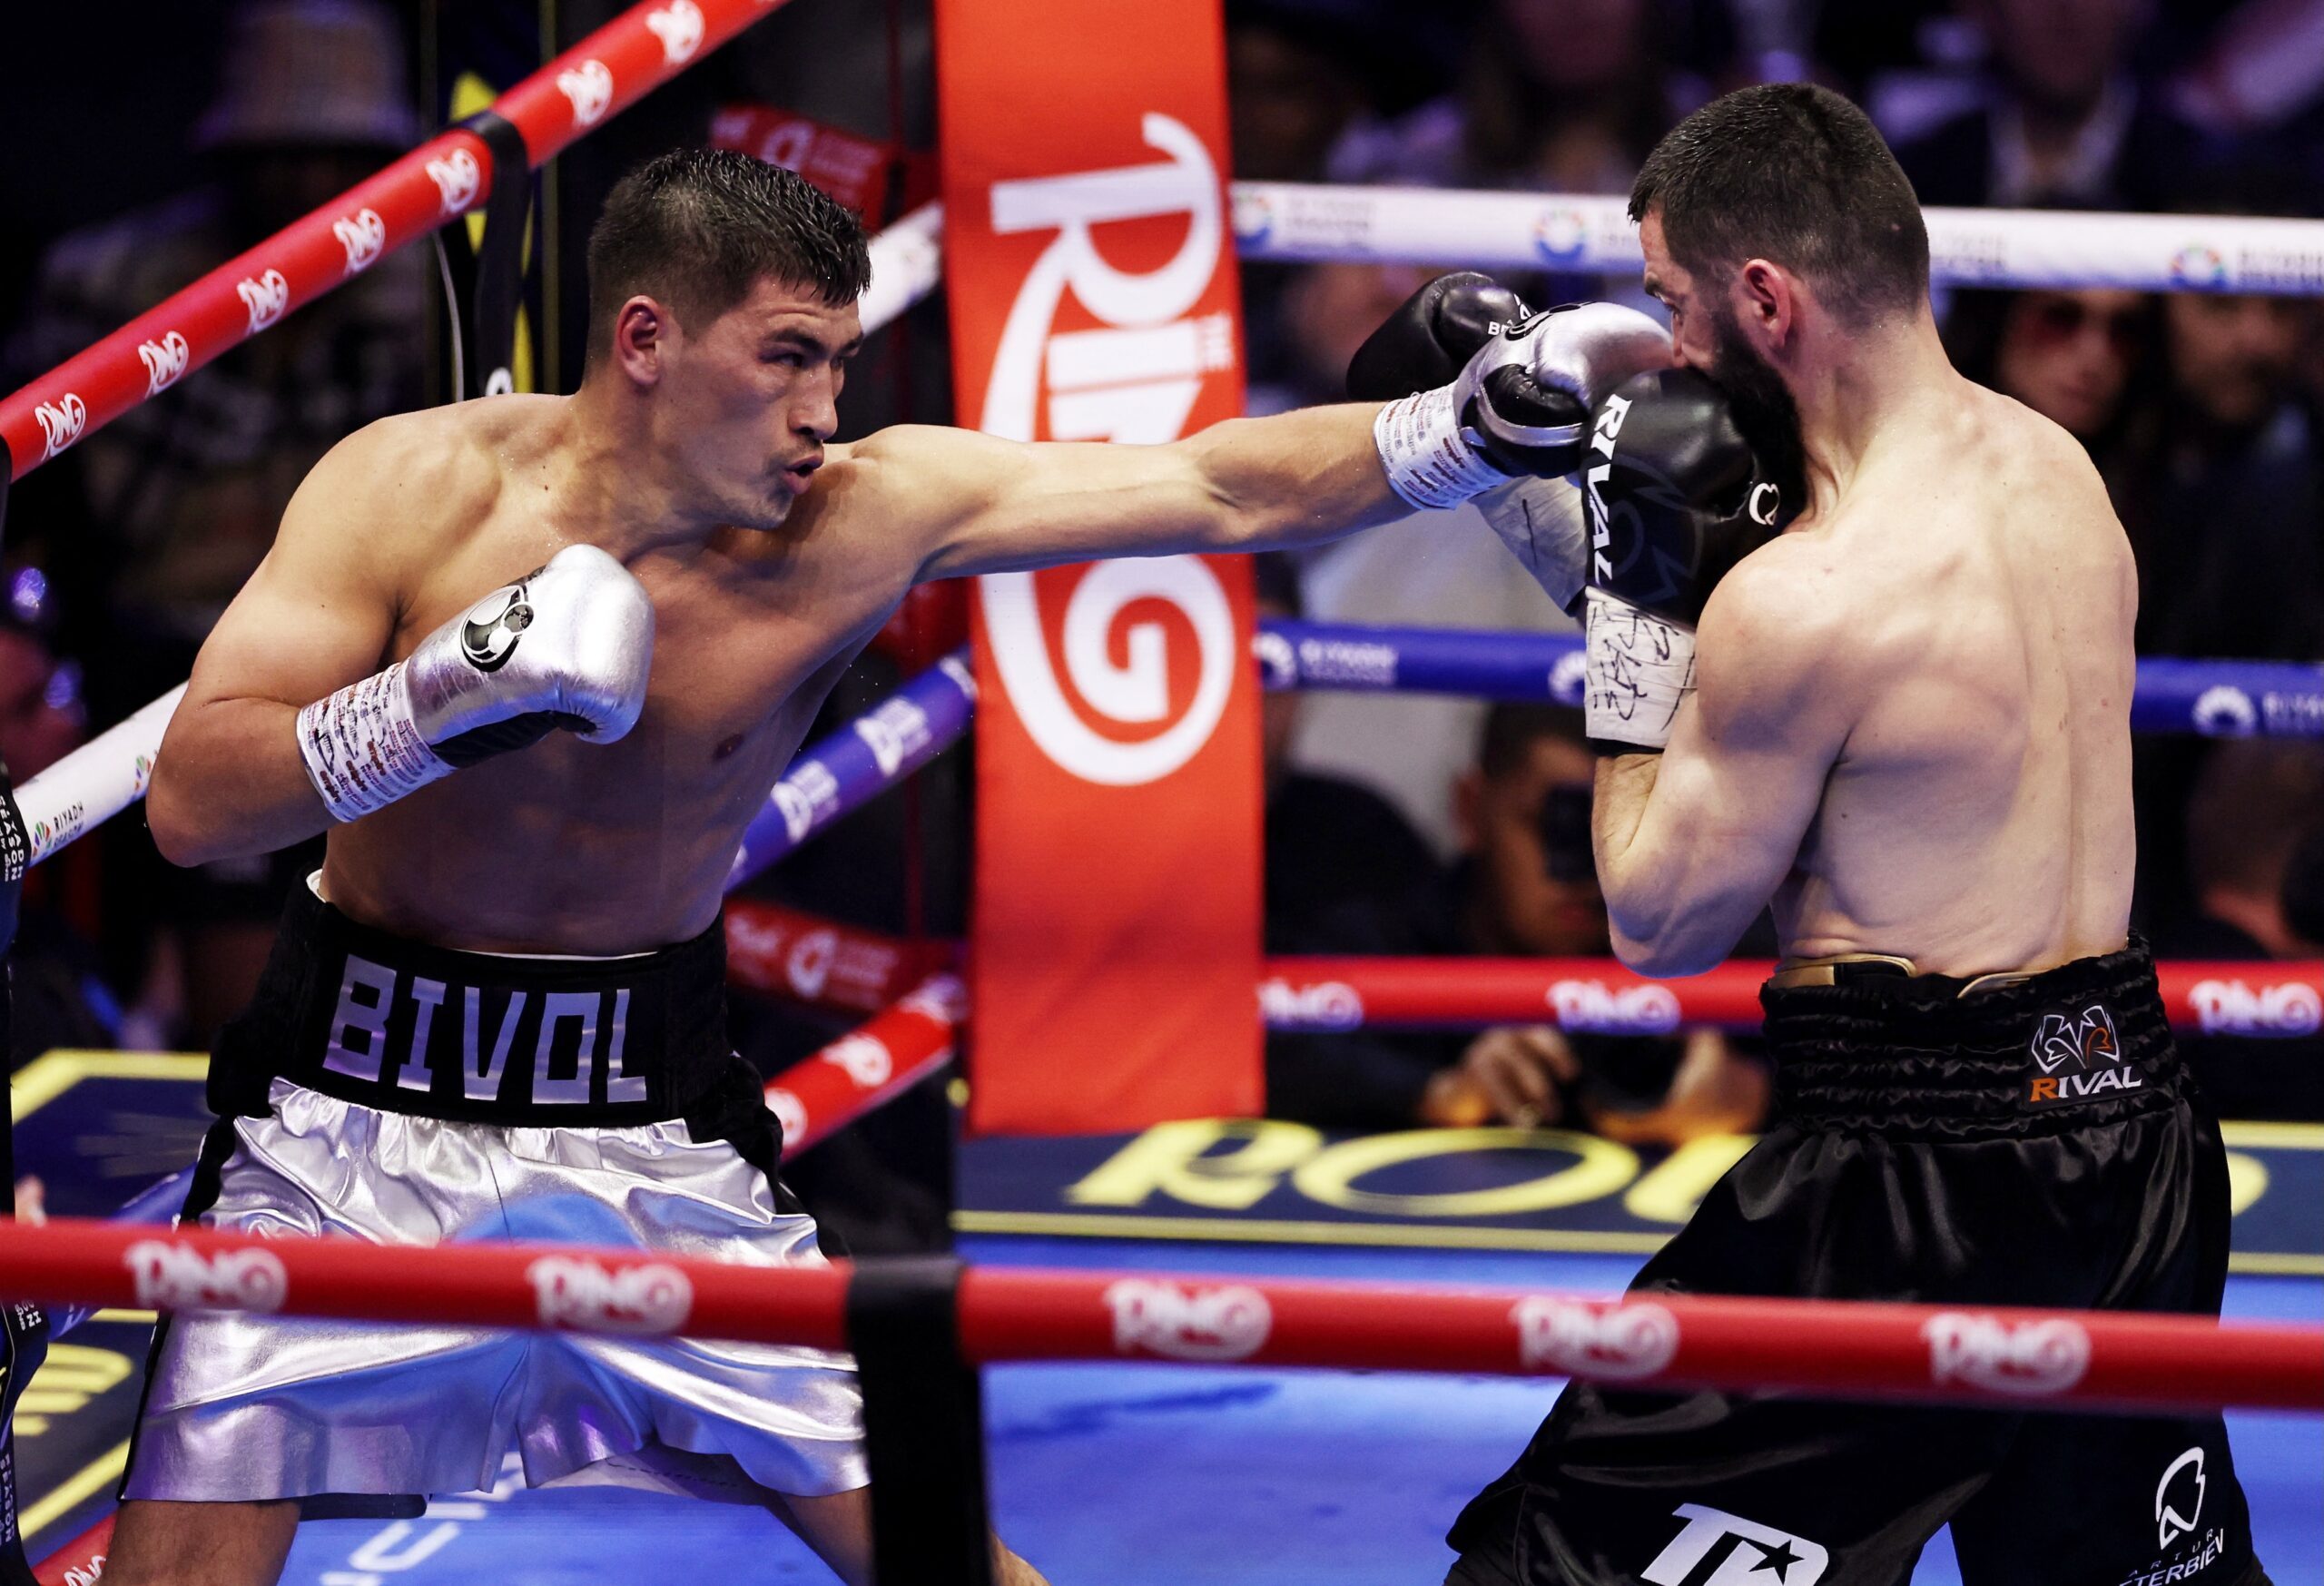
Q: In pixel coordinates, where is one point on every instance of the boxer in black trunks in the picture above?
(1905, 720)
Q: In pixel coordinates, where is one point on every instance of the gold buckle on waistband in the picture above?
(1824, 971)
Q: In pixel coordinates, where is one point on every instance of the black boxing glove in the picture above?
(1675, 498)
(1432, 336)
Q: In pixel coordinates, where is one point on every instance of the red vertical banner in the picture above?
(1090, 267)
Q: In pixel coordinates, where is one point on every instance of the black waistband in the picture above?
(2081, 1043)
(410, 1028)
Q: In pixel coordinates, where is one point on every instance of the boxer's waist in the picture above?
(408, 1027)
(1870, 1041)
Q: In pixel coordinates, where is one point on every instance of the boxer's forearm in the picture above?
(1295, 478)
(1668, 914)
(229, 783)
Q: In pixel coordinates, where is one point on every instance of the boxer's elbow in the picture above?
(183, 837)
(1658, 932)
(1665, 956)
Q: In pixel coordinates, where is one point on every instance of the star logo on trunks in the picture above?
(489, 635)
(2080, 1057)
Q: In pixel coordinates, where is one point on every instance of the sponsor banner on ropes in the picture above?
(1090, 264)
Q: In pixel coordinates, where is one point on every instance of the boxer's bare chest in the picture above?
(575, 847)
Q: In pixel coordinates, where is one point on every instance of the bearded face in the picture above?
(1764, 409)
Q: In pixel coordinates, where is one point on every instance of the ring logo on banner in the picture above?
(1619, 1343)
(679, 27)
(364, 235)
(589, 87)
(650, 1299)
(1133, 694)
(456, 176)
(265, 296)
(2029, 1358)
(2224, 711)
(164, 361)
(61, 422)
(1161, 1318)
(170, 1277)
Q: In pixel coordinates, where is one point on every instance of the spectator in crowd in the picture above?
(1331, 844)
(150, 526)
(2063, 120)
(1525, 886)
(2254, 802)
(2071, 355)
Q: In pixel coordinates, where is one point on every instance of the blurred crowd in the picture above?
(1395, 824)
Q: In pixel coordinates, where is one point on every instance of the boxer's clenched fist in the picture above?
(566, 647)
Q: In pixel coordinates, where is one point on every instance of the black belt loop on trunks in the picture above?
(923, 1423)
(499, 263)
(407, 1027)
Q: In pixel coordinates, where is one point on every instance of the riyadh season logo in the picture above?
(589, 88)
(648, 1298)
(2025, 1359)
(1739, 1552)
(1562, 234)
(1254, 218)
(679, 27)
(2199, 264)
(1615, 1343)
(172, 1277)
(61, 422)
(1162, 1318)
(266, 296)
(2223, 710)
(456, 176)
(165, 360)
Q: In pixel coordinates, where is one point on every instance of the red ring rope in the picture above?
(2098, 1359)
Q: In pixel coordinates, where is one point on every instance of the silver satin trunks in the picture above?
(393, 1091)
(257, 1406)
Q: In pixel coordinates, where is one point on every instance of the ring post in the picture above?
(923, 1423)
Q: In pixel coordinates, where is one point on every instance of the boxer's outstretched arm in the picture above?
(975, 504)
(316, 615)
(1692, 843)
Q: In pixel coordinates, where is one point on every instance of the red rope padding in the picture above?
(856, 1073)
(79, 1563)
(2017, 1357)
(807, 958)
(2248, 999)
(445, 177)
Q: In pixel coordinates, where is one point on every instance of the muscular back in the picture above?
(1977, 816)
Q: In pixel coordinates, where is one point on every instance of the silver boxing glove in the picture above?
(1521, 405)
(567, 646)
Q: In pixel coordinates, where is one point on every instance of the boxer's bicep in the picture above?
(1729, 803)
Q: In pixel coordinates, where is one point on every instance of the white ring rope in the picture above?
(1593, 235)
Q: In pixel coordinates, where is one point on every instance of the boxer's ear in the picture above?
(643, 330)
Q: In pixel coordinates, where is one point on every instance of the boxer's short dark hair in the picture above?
(1795, 174)
(697, 228)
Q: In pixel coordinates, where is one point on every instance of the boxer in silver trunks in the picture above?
(558, 770)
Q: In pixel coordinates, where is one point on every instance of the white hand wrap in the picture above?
(362, 748)
(1636, 668)
(1429, 461)
(1541, 522)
